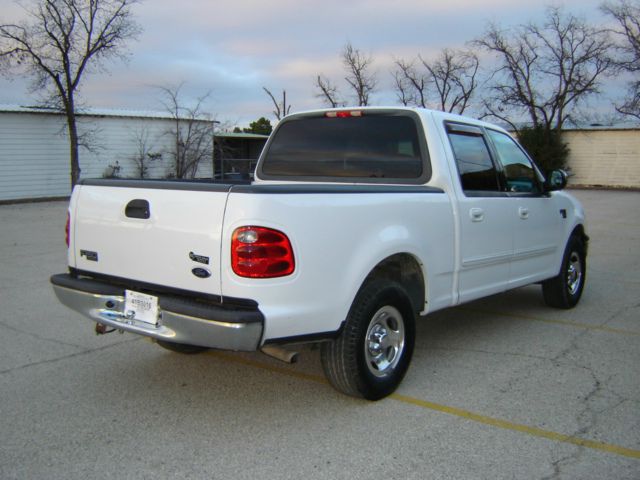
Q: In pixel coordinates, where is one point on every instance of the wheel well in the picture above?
(580, 233)
(404, 269)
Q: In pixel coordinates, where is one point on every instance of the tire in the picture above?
(182, 347)
(565, 290)
(372, 354)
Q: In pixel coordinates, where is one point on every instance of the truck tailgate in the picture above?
(155, 233)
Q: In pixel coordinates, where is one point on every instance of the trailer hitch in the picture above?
(102, 329)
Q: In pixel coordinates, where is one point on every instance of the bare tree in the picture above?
(448, 82)
(281, 108)
(192, 132)
(328, 92)
(454, 74)
(631, 105)
(359, 75)
(627, 16)
(411, 84)
(144, 154)
(403, 89)
(61, 41)
(545, 71)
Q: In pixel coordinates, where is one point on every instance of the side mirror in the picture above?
(556, 180)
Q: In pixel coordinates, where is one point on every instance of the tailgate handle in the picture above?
(138, 208)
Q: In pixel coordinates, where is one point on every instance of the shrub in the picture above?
(545, 147)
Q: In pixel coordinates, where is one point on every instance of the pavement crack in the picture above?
(485, 352)
(560, 463)
(619, 312)
(573, 346)
(598, 400)
(66, 357)
(586, 420)
(38, 337)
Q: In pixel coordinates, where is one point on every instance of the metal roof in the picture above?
(622, 125)
(95, 112)
(599, 127)
(255, 136)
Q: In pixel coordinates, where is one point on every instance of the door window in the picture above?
(519, 172)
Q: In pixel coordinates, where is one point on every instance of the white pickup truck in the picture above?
(358, 222)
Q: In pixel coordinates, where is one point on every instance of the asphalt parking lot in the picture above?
(499, 388)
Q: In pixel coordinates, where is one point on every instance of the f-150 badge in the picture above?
(199, 258)
(89, 255)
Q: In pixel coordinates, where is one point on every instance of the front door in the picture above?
(538, 228)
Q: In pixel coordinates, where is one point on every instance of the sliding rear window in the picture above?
(368, 146)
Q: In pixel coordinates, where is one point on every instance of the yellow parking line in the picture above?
(586, 326)
(457, 412)
(506, 425)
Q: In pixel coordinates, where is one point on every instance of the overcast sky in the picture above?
(235, 48)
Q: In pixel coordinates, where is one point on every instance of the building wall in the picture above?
(604, 157)
(34, 157)
(34, 151)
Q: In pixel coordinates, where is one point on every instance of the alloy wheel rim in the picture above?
(384, 341)
(574, 273)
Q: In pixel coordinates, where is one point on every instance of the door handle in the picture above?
(138, 208)
(476, 214)
(523, 212)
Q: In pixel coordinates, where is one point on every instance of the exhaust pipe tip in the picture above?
(280, 353)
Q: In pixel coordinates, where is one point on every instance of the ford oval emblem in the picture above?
(201, 272)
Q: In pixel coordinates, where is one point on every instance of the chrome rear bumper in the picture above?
(180, 321)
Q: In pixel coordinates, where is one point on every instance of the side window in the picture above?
(475, 166)
(519, 173)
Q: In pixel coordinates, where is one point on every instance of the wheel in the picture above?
(181, 347)
(565, 290)
(371, 356)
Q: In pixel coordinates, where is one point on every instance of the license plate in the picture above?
(141, 307)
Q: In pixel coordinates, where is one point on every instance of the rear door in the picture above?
(484, 211)
(162, 233)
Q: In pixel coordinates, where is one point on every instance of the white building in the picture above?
(604, 156)
(34, 149)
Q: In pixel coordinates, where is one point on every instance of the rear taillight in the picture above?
(258, 252)
(66, 230)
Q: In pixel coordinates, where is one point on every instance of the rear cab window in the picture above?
(363, 146)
